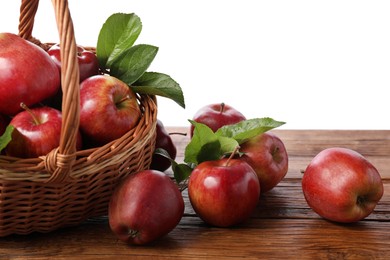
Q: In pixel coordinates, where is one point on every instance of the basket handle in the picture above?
(59, 161)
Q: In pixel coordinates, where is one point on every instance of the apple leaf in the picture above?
(204, 145)
(133, 62)
(247, 129)
(181, 171)
(6, 137)
(227, 144)
(154, 83)
(117, 34)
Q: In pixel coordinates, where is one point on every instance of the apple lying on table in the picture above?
(217, 115)
(87, 60)
(267, 155)
(144, 207)
(341, 185)
(223, 192)
(109, 108)
(163, 141)
(28, 74)
(37, 132)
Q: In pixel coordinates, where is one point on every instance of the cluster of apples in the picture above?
(339, 184)
(225, 192)
(222, 192)
(31, 99)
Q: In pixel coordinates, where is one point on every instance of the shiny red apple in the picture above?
(163, 141)
(144, 207)
(88, 62)
(217, 115)
(341, 185)
(37, 132)
(109, 108)
(27, 74)
(224, 192)
(267, 155)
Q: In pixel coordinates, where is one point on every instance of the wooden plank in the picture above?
(309, 143)
(258, 238)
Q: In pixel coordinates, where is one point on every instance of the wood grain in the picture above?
(282, 226)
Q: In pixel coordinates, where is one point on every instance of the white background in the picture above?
(312, 64)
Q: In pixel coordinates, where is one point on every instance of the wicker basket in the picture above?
(66, 187)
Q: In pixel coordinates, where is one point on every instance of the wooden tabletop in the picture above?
(282, 226)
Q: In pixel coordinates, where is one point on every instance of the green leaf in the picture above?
(247, 129)
(181, 171)
(133, 62)
(204, 145)
(163, 152)
(227, 144)
(117, 34)
(154, 83)
(6, 137)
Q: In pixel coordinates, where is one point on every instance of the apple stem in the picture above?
(222, 107)
(232, 155)
(177, 133)
(25, 107)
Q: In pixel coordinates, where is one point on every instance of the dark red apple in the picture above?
(109, 108)
(144, 207)
(217, 115)
(88, 62)
(27, 74)
(164, 141)
(267, 155)
(37, 132)
(341, 185)
(224, 192)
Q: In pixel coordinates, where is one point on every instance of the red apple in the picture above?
(88, 62)
(217, 115)
(109, 108)
(224, 192)
(164, 141)
(341, 185)
(144, 207)
(28, 74)
(267, 155)
(37, 132)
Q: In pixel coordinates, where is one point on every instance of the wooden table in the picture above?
(283, 226)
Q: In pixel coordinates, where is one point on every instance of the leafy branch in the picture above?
(119, 57)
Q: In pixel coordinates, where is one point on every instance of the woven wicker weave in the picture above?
(66, 186)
